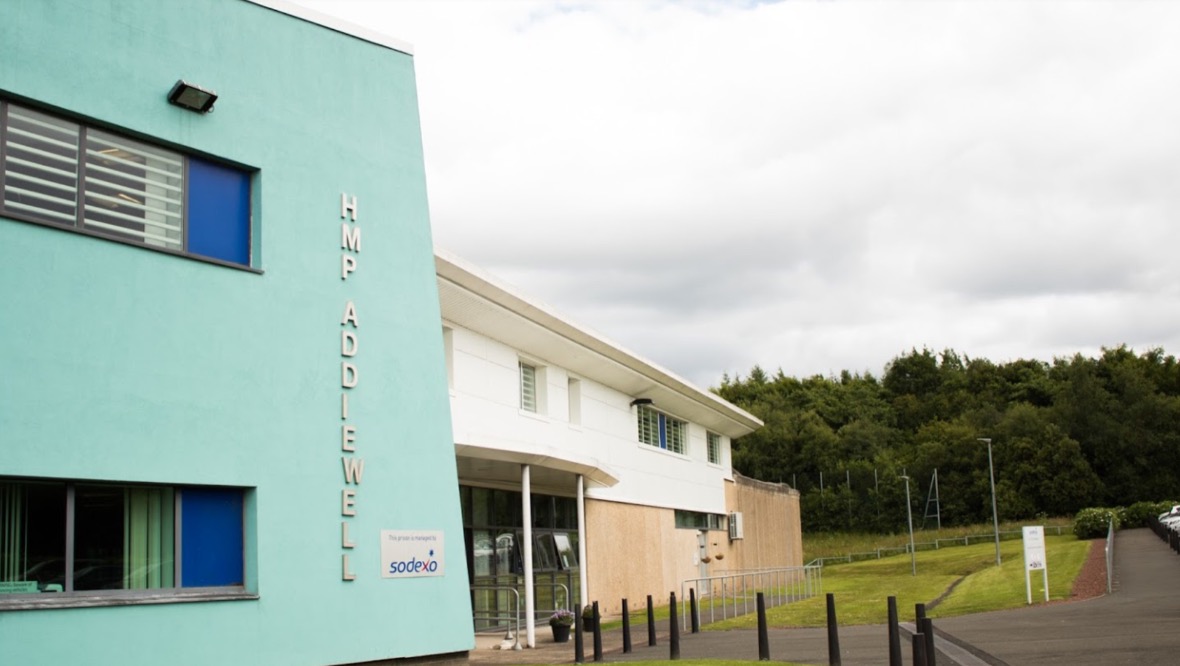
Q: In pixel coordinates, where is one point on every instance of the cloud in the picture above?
(814, 186)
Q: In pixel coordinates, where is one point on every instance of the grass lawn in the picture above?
(861, 588)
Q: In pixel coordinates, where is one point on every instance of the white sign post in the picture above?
(1034, 559)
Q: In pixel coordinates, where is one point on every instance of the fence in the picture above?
(734, 593)
(931, 545)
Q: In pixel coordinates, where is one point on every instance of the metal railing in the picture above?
(932, 545)
(734, 593)
(497, 615)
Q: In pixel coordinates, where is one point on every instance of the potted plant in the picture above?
(560, 622)
(588, 618)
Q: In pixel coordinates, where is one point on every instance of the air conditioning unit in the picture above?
(735, 526)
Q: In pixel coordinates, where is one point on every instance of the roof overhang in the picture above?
(476, 301)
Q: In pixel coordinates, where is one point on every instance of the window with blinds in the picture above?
(714, 446)
(662, 431)
(58, 172)
(528, 387)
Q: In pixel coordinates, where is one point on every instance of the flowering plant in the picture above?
(561, 618)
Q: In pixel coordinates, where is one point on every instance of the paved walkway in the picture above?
(1138, 624)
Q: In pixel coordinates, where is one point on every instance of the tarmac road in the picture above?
(1139, 623)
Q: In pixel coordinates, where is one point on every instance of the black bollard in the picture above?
(597, 634)
(919, 613)
(919, 643)
(692, 609)
(674, 637)
(763, 637)
(894, 635)
(651, 623)
(927, 628)
(579, 648)
(626, 628)
(833, 636)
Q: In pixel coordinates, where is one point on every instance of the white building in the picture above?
(616, 470)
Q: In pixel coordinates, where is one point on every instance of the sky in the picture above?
(811, 186)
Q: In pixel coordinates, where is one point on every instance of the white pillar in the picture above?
(584, 597)
(526, 497)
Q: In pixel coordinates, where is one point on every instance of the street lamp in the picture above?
(995, 517)
(909, 516)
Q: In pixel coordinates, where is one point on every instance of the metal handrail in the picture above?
(515, 616)
(779, 586)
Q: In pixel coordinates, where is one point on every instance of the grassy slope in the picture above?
(861, 588)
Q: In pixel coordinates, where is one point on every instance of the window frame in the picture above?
(81, 194)
(527, 385)
(713, 448)
(661, 431)
(175, 593)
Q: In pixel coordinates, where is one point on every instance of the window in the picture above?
(574, 396)
(528, 387)
(714, 446)
(94, 538)
(67, 175)
(699, 521)
(662, 431)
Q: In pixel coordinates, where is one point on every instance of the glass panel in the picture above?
(649, 426)
(714, 447)
(41, 166)
(481, 507)
(543, 511)
(484, 552)
(133, 190)
(506, 556)
(32, 537)
(218, 212)
(544, 553)
(566, 513)
(465, 504)
(675, 433)
(567, 555)
(528, 387)
(211, 537)
(149, 536)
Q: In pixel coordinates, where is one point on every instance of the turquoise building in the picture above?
(224, 425)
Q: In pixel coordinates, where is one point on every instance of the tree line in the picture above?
(1067, 434)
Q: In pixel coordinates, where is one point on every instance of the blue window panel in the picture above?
(211, 537)
(663, 433)
(218, 212)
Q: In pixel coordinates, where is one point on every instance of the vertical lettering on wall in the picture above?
(354, 467)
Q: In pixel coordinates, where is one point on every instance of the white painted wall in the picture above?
(485, 410)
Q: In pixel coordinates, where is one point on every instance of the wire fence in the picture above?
(937, 544)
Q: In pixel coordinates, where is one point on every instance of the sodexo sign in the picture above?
(410, 554)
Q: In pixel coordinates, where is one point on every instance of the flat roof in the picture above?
(337, 24)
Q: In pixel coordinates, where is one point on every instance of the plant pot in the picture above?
(561, 632)
(587, 625)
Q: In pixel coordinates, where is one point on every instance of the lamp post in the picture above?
(995, 516)
(909, 516)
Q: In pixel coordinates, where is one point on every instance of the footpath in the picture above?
(1136, 624)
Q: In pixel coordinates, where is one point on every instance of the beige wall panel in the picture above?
(634, 551)
(773, 535)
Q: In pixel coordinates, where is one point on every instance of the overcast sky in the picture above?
(811, 186)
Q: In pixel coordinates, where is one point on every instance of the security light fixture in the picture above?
(641, 401)
(192, 97)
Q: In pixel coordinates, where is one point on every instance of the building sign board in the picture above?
(1034, 558)
(411, 554)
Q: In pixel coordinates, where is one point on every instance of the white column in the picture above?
(526, 497)
(582, 578)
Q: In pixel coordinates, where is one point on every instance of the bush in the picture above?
(1092, 523)
(1137, 514)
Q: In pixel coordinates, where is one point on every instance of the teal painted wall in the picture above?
(120, 363)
